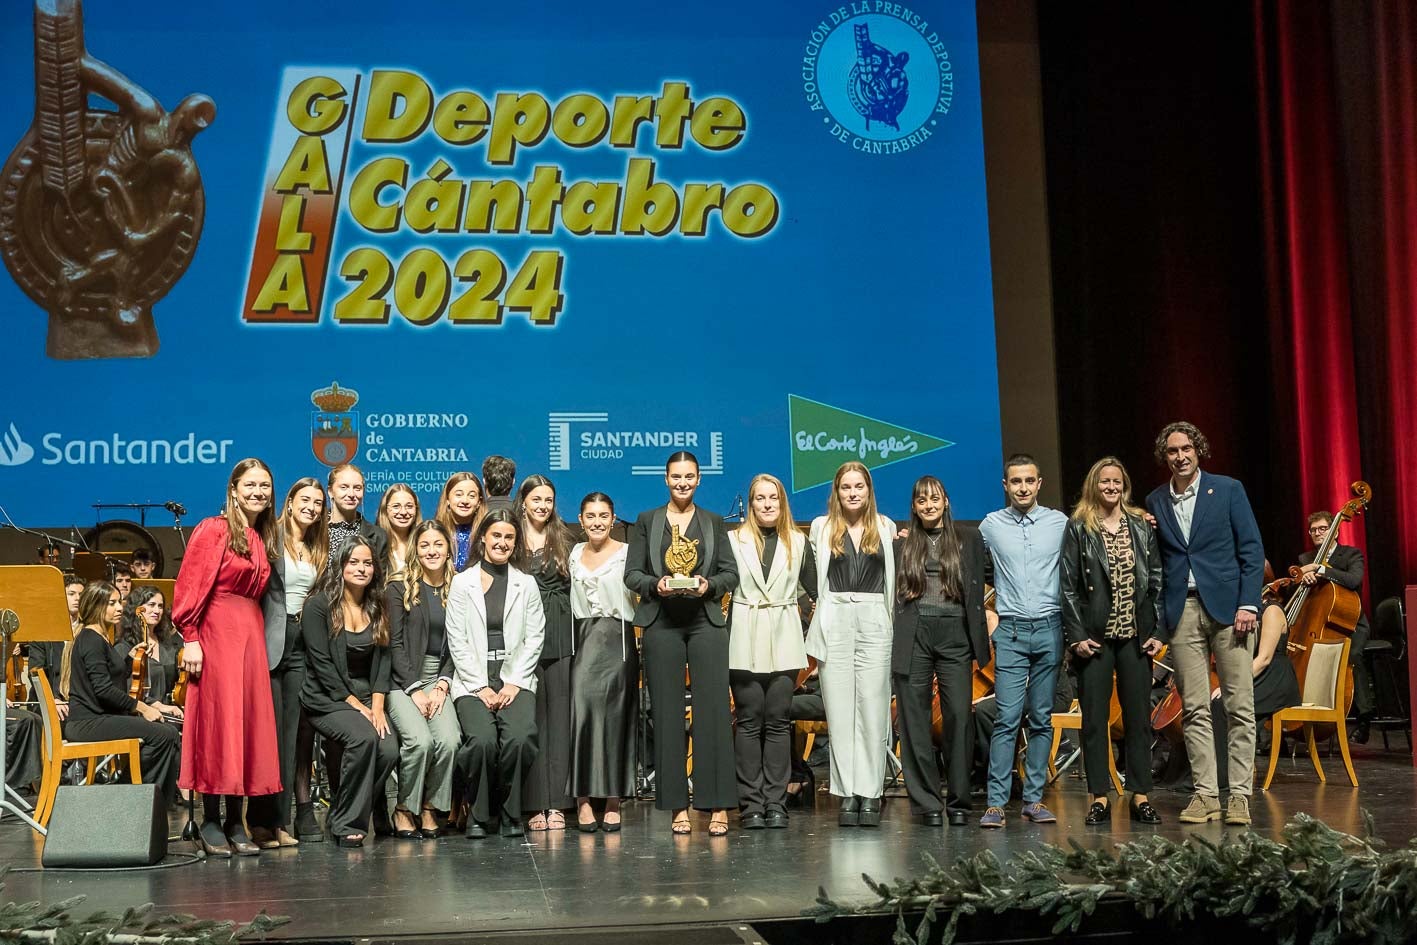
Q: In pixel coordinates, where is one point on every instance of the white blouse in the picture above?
(600, 592)
(299, 578)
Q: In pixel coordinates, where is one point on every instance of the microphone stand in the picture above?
(48, 539)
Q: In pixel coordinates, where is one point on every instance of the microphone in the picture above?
(739, 511)
(176, 508)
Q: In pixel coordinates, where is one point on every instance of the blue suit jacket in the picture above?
(1224, 551)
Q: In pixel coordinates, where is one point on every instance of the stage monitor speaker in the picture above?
(107, 825)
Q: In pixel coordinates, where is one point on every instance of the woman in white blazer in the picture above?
(495, 627)
(850, 637)
(765, 649)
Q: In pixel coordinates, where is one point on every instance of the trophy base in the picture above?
(679, 582)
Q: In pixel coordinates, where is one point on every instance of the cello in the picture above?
(1325, 612)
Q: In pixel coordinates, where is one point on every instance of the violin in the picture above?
(15, 675)
(179, 688)
(138, 677)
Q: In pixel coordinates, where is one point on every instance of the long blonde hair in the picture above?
(836, 515)
(445, 512)
(1088, 511)
(317, 536)
(265, 523)
(382, 519)
(786, 527)
(413, 572)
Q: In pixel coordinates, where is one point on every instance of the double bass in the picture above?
(1325, 612)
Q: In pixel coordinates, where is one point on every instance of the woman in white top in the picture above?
(765, 649)
(304, 547)
(398, 516)
(850, 638)
(604, 671)
(495, 627)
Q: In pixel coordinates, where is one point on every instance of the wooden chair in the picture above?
(1071, 720)
(1323, 703)
(56, 751)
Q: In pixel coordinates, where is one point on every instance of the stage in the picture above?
(643, 882)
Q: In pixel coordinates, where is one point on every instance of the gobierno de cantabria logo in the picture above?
(879, 75)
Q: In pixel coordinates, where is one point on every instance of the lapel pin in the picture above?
(1210, 492)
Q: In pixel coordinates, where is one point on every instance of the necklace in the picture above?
(934, 541)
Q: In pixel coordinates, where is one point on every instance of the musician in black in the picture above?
(1345, 568)
(99, 705)
(146, 623)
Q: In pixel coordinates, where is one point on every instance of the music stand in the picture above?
(97, 565)
(32, 610)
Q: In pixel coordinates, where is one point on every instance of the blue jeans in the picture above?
(1027, 653)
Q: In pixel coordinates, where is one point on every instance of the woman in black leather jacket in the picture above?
(1112, 621)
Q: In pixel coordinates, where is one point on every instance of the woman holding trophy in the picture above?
(681, 564)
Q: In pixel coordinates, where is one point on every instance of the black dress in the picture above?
(548, 782)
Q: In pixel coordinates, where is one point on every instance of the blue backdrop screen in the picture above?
(580, 236)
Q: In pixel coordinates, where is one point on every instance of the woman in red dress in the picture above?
(229, 737)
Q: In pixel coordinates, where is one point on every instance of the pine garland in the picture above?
(32, 923)
(1319, 883)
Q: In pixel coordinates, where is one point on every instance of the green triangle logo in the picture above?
(824, 437)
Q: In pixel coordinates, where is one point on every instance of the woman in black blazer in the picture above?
(686, 626)
(425, 721)
(1112, 620)
(938, 635)
(346, 636)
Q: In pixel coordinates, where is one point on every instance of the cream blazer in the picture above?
(765, 634)
(523, 631)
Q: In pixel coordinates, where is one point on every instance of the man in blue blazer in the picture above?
(1213, 571)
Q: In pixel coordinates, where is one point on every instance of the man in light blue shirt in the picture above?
(1024, 542)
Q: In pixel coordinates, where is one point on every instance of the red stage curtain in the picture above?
(1338, 129)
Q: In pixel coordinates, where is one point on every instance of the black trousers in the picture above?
(762, 739)
(24, 737)
(547, 785)
(1365, 701)
(941, 654)
(1132, 669)
(160, 755)
(365, 760)
(273, 810)
(496, 751)
(704, 647)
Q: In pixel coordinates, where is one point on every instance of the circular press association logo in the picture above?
(879, 75)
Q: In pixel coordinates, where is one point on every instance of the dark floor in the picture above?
(643, 875)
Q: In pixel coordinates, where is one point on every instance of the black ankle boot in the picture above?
(307, 828)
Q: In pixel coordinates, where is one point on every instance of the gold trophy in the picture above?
(679, 560)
